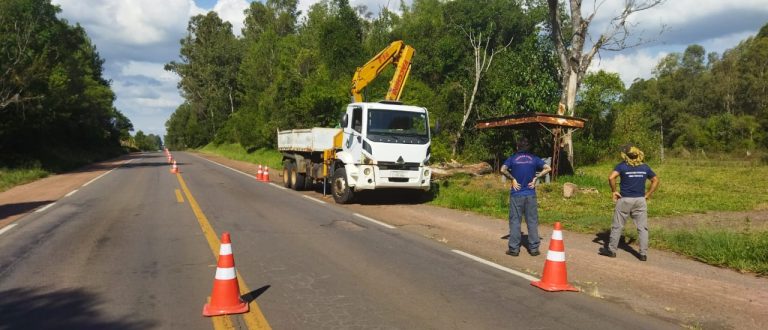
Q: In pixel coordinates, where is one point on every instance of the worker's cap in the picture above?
(630, 150)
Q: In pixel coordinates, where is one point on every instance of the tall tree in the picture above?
(210, 59)
(575, 58)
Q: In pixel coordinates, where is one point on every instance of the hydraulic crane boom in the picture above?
(397, 52)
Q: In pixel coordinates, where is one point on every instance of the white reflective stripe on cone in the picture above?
(225, 273)
(556, 256)
(557, 235)
(225, 249)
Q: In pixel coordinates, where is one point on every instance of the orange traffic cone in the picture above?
(555, 277)
(225, 297)
(174, 167)
(259, 174)
(265, 174)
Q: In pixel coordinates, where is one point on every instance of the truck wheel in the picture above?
(342, 193)
(287, 171)
(298, 179)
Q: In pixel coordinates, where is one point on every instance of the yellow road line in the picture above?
(179, 198)
(254, 319)
(221, 322)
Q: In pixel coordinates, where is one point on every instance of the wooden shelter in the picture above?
(551, 122)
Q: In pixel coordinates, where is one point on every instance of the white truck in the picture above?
(379, 145)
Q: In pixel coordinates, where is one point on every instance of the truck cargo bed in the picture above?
(307, 140)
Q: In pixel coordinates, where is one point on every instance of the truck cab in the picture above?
(384, 145)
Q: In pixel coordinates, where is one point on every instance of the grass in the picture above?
(13, 177)
(686, 188)
(269, 157)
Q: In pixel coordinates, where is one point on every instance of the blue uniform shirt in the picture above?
(523, 167)
(633, 179)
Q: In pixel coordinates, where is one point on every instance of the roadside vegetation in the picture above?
(13, 177)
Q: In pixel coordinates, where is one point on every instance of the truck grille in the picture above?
(396, 166)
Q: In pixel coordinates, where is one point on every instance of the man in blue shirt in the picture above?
(521, 169)
(631, 201)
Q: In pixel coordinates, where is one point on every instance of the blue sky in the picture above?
(137, 38)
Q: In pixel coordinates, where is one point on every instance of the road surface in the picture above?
(136, 249)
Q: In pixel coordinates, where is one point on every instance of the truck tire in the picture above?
(287, 171)
(340, 189)
(298, 178)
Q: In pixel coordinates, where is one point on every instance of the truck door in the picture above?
(353, 133)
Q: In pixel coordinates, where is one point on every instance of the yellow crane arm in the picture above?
(397, 52)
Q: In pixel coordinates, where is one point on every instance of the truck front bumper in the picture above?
(368, 177)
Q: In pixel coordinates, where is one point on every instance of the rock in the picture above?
(569, 190)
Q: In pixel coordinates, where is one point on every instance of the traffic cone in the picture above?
(265, 174)
(259, 174)
(174, 167)
(170, 159)
(225, 297)
(555, 277)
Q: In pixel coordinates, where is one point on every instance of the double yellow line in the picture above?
(254, 319)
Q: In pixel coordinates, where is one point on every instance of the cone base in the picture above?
(553, 287)
(240, 308)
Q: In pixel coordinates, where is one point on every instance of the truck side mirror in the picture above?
(344, 121)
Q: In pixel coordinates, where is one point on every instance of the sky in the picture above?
(136, 38)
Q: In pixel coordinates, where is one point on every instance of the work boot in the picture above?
(513, 253)
(607, 253)
(643, 257)
(534, 252)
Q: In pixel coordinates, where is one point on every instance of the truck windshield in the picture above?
(397, 126)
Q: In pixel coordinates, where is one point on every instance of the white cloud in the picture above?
(135, 22)
(232, 11)
(629, 66)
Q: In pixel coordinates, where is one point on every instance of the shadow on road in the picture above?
(251, 296)
(28, 308)
(9, 210)
(604, 237)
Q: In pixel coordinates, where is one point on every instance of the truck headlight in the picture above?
(367, 171)
(426, 172)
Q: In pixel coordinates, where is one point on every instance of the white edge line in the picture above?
(374, 221)
(44, 208)
(7, 228)
(497, 266)
(71, 193)
(313, 199)
(277, 185)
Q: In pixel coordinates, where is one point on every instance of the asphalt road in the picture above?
(132, 250)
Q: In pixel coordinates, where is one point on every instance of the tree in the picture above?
(574, 60)
(211, 57)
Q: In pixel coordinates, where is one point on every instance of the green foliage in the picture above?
(268, 157)
(53, 96)
(149, 142)
(743, 251)
(18, 176)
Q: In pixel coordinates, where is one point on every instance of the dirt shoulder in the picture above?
(669, 286)
(24, 199)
